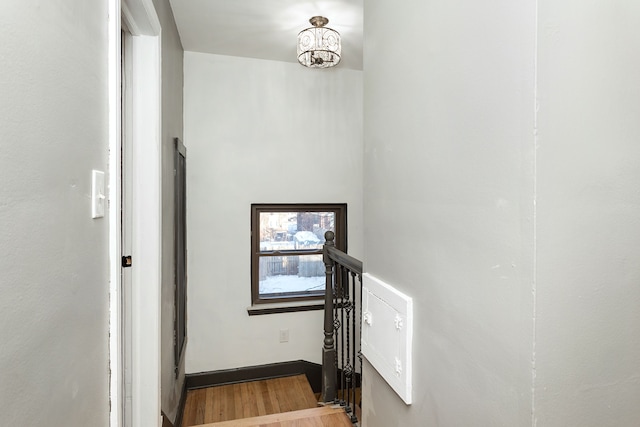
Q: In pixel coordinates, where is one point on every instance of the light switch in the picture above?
(98, 197)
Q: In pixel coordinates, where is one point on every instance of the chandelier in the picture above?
(319, 46)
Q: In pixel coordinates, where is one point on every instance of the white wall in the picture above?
(524, 315)
(260, 132)
(448, 203)
(172, 124)
(54, 291)
(588, 240)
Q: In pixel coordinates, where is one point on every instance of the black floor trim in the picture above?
(313, 371)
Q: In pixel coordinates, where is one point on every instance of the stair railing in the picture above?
(341, 357)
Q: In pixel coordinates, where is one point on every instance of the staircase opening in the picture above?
(277, 402)
(289, 400)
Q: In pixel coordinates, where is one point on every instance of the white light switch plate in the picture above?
(387, 333)
(98, 197)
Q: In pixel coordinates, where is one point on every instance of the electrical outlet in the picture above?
(284, 335)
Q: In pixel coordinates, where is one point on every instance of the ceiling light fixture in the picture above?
(319, 46)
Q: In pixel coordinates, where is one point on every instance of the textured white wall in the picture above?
(588, 240)
(260, 132)
(54, 258)
(448, 203)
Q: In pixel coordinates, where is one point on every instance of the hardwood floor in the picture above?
(251, 399)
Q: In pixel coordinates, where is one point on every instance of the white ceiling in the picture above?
(265, 29)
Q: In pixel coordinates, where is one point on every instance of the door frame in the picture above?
(142, 21)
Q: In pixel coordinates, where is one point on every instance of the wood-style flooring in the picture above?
(245, 400)
(325, 416)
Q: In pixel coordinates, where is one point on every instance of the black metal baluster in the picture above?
(360, 337)
(338, 325)
(355, 348)
(345, 296)
(348, 368)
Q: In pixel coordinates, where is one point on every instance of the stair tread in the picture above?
(325, 416)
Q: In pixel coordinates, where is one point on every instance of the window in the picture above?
(286, 249)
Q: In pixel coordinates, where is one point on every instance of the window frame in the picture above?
(180, 254)
(340, 225)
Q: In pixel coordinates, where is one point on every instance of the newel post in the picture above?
(329, 376)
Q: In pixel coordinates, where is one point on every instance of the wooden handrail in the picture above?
(344, 259)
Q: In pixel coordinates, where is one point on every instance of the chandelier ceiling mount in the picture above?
(319, 46)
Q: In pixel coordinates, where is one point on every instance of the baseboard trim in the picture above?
(313, 371)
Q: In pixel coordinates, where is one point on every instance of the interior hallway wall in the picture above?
(54, 290)
(516, 128)
(448, 203)
(172, 127)
(588, 203)
(260, 131)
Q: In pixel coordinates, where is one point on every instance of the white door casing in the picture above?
(126, 226)
(145, 214)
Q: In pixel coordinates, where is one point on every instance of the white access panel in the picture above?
(387, 332)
